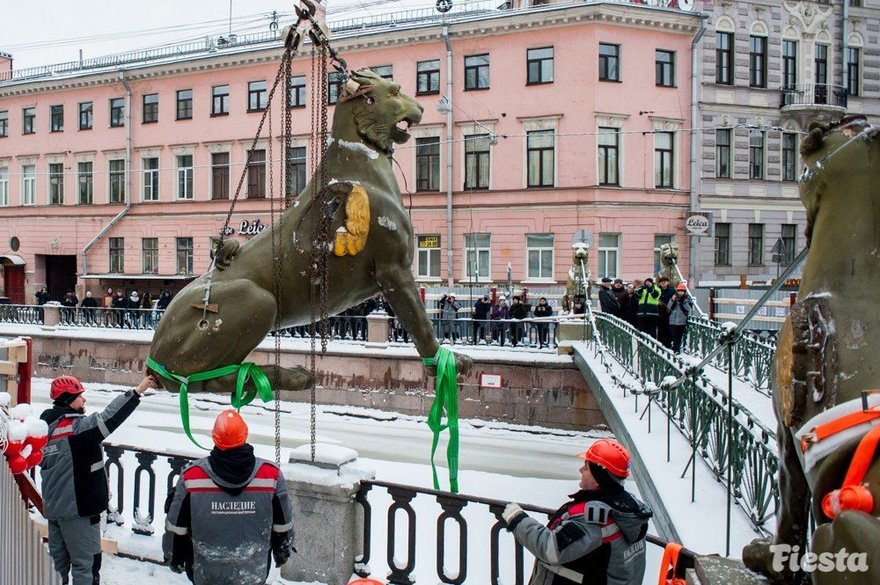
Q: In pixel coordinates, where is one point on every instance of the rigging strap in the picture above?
(445, 398)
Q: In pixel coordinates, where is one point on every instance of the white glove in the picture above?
(511, 511)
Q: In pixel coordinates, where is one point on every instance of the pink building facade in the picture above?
(561, 118)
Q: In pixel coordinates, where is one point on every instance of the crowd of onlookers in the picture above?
(133, 311)
(495, 323)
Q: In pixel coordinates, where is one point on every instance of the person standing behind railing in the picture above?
(649, 307)
(89, 305)
(146, 312)
(518, 311)
(43, 297)
(69, 303)
(543, 309)
(680, 307)
(482, 312)
(119, 305)
(448, 314)
(164, 300)
(500, 313)
(607, 300)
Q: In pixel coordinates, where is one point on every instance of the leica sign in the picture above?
(699, 224)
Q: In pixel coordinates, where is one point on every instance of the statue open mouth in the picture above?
(400, 132)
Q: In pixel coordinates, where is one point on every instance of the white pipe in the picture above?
(695, 143)
(450, 254)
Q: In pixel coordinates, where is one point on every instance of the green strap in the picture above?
(446, 397)
(246, 371)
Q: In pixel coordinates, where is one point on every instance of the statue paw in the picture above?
(758, 557)
(223, 257)
(463, 364)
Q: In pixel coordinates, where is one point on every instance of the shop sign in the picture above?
(247, 228)
(699, 224)
(429, 241)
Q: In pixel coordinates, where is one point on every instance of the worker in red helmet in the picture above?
(74, 483)
(596, 537)
(224, 504)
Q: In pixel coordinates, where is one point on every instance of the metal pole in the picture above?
(693, 444)
(730, 446)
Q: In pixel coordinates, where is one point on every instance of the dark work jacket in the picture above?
(608, 302)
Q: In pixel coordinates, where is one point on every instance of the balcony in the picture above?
(814, 97)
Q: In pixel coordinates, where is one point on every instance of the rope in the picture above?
(445, 398)
(247, 371)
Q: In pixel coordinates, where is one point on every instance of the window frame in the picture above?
(790, 49)
(538, 62)
(334, 87)
(789, 156)
(150, 183)
(296, 97)
(29, 120)
(602, 152)
(757, 154)
(756, 244)
(476, 74)
(789, 242)
(474, 158)
(185, 182)
(117, 112)
(607, 249)
(220, 100)
(56, 118)
(85, 181)
(184, 101)
(722, 243)
(853, 71)
(430, 77)
(116, 255)
(149, 256)
(150, 113)
(257, 95)
(820, 70)
(116, 181)
(541, 153)
(724, 63)
(256, 174)
(4, 186)
(664, 70)
(29, 184)
(722, 153)
(429, 257)
(220, 175)
(297, 167)
(427, 159)
(474, 248)
(386, 72)
(758, 61)
(4, 123)
(56, 183)
(185, 249)
(542, 251)
(662, 179)
(86, 116)
(609, 63)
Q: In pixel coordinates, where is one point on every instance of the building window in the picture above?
(117, 181)
(256, 188)
(476, 161)
(609, 159)
(85, 116)
(28, 116)
(386, 72)
(4, 123)
(539, 251)
(150, 255)
(477, 256)
(428, 164)
(789, 156)
(539, 65)
(56, 118)
(476, 72)
(756, 154)
(664, 62)
(540, 154)
(756, 244)
(117, 255)
(28, 184)
(757, 61)
(789, 64)
(117, 112)
(220, 100)
(609, 254)
(296, 171)
(428, 77)
(220, 175)
(184, 104)
(428, 251)
(789, 242)
(151, 108)
(821, 69)
(334, 87)
(185, 176)
(184, 255)
(56, 184)
(722, 153)
(151, 178)
(852, 70)
(257, 98)
(722, 244)
(4, 187)
(297, 96)
(724, 58)
(663, 159)
(85, 179)
(855, 3)
(609, 62)
(659, 240)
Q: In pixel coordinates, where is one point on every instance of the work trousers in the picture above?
(75, 546)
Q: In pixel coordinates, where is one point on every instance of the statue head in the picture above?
(380, 113)
(580, 251)
(669, 254)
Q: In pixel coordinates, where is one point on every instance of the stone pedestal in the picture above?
(327, 521)
(571, 331)
(51, 315)
(714, 570)
(377, 329)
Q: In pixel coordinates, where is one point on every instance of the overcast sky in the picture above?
(44, 32)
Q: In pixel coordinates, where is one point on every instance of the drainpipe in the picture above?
(449, 235)
(844, 42)
(695, 144)
(128, 174)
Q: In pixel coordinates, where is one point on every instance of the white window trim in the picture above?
(552, 249)
(177, 170)
(425, 277)
(536, 125)
(617, 249)
(675, 126)
(32, 180)
(433, 131)
(4, 186)
(464, 268)
(611, 120)
(262, 144)
(474, 129)
(144, 170)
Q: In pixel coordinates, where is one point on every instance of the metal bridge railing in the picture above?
(752, 354)
(702, 413)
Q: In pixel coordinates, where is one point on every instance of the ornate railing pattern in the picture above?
(752, 354)
(699, 410)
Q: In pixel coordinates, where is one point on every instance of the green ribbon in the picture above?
(246, 372)
(445, 398)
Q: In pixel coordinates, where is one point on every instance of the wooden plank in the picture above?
(8, 368)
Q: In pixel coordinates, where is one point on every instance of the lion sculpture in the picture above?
(828, 353)
(578, 281)
(668, 262)
(371, 250)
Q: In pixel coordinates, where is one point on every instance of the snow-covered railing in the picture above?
(699, 409)
(752, 354)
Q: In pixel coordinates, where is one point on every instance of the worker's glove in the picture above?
(512, 515)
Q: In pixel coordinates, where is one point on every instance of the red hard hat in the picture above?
(609, 454)
(681, 286)
(65, 385)
(230, 430)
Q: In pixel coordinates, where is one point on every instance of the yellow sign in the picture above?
(429, 241)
